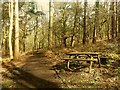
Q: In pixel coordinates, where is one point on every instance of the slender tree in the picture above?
(50, 33)
(112, 21)
(96, 24)
(11, 28)
(35, 34)
(84, 28)
(16, 42)
(119, 27)
(116, 19)
(24, 34)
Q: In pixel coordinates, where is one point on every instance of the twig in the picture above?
(61, 78)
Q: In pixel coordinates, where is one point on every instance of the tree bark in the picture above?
(84, 28)
(108, 31)
(50, 36)
(16, 43)
(35, 34)
(24, 34)
(64, 42)
(119, 27)
(10, 29)
(116, 20)
(64, 36)
(96, 24)
(112, 21)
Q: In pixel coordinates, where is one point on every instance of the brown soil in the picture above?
(32, 71)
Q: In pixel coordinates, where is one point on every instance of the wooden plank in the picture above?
(99, 62)
(85, 53)
(73, 59)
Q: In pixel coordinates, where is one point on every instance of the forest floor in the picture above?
(45, 69)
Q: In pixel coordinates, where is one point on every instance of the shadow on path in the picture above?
(26, 79)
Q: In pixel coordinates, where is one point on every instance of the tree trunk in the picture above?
(116, 17)
(16, 43)
(35, 34)
(64, 42)
(50, 36)
(10, 29)
(94, 35)
(84, 28)
(96, 24)
(43, 40)
(72, 41)
(119, 27)
(112, 22)
(108, 31)
(64, 36)
(24, 34)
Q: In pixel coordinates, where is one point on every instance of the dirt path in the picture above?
(41, 68)
(35, 71)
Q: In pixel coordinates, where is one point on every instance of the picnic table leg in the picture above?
(99, 62)
(91, 62)
(68, 64)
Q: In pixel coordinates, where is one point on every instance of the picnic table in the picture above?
(83, 56)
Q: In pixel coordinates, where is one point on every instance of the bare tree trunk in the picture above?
(72, 41)
(35, 34)
(24, 34)
(64, 33)
(108, 31)
(10, 29)
(64, 42)
(112, 21)
(119, 27)
(16, 43)
(116, 20)
(96, 24)
(50, 36)
(43, 40)
(55, 38)
(84, 29)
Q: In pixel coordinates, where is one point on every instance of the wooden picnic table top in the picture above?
(83, 53)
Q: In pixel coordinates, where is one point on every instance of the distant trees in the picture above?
(71, 24)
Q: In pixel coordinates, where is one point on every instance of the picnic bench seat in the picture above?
(78, 59)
